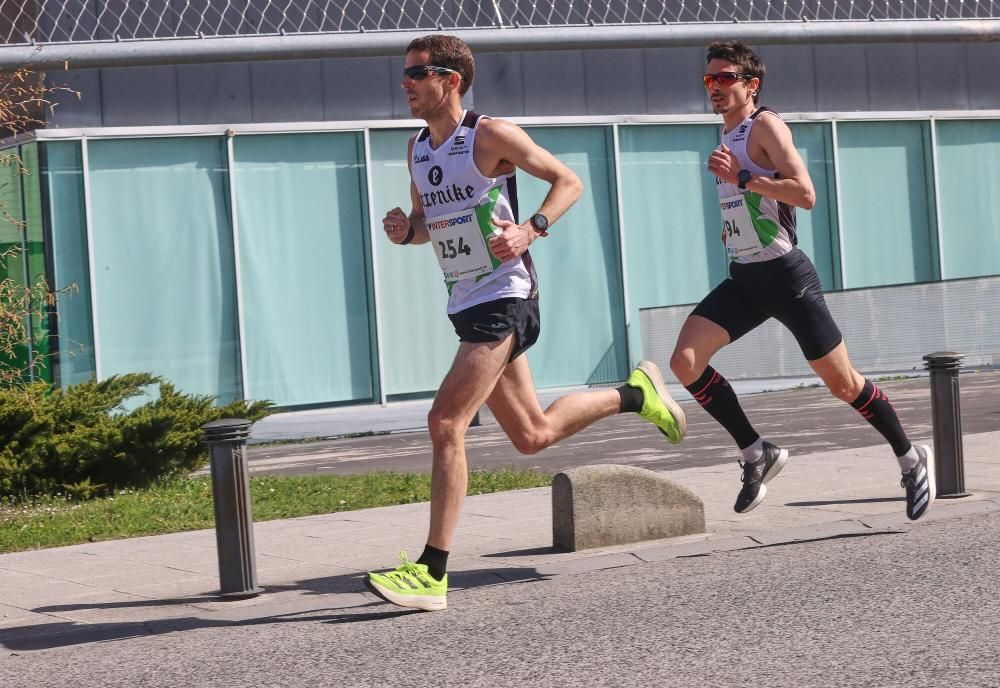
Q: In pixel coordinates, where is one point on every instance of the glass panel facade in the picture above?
(673, 249)
(301, 211)
(888, 210)
(13, 261)
(163, 262)
(310, 257)
(579, 266)
(968, 180)
(62, 174)
(816, 228)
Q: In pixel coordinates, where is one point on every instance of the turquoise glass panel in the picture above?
(816, 228)
(62, 175)
(583, 338)
(968, 182)
(163, 262)
(673, 248)
(301, 208)
(887, 204)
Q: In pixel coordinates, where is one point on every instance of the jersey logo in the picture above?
(436, 175)
(421, 158)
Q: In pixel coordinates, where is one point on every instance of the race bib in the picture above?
(737, 227)
(459, 242)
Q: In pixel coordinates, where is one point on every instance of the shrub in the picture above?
(82, 440)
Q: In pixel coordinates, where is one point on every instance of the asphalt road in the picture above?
(915, 607)
(800, 420)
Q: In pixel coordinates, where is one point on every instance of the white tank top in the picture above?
(757, 228)
(458, 205)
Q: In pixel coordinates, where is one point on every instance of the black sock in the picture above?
(436, 561)
(876, 408)
(713, 392)
(632, 399)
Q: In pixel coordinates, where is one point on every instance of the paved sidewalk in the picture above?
(88, 593)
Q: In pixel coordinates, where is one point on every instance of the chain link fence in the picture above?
(59, 21)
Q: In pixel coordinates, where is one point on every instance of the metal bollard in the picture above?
(947, 418)
(226, 439)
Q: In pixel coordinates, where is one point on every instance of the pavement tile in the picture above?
(588, 564)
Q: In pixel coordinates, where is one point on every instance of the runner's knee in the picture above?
(531, 441)
(684, 365)
(843, 387)
(444, 428)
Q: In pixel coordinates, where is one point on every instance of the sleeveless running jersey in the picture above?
(459, 203)
(757, 228)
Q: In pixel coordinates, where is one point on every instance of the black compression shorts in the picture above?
(785, 288)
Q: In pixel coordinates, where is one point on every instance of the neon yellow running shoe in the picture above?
(410, 585)
(658, 407)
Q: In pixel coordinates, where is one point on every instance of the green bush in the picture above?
(83, 441)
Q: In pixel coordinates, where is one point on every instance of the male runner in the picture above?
(761, 179)
(462, 169)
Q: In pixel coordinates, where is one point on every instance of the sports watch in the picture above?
(743, 177)
(540, 223)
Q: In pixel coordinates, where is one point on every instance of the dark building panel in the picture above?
(673, 81)
(614, 82)
(554, 84)
(943, 83)
(211, 94)
(499, 85)
(893, 77)
(790, 78)
(983, 75)
(139, 96)
(359, 89)
(72, 111)
(288, 91)
(841, 78)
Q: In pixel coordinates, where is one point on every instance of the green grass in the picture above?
(186, 504)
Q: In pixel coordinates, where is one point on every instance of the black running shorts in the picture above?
(494, 321)
(785, 288)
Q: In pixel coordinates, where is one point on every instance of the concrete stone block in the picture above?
(604, 505)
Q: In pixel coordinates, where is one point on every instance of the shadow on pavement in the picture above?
(834, 502)
(65, 633)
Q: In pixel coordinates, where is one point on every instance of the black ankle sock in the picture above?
(713, 392)
(631, 399)
(436, 561)
(875, 407)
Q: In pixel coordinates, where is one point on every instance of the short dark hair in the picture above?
(450, 52)
(739, 54)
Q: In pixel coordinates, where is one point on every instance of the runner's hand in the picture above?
(724, 165)
(396, 224)
(513, 240)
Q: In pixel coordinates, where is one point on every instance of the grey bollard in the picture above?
(946, 415)
(226, 439)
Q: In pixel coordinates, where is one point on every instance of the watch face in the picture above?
(540, 222)
(744, 176)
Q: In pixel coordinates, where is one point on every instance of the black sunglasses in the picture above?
(418, 72)
(724, 78)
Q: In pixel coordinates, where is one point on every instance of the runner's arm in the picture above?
(397, 224)
(793, 184)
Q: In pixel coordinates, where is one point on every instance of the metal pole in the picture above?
(226, 439)
(947, 418)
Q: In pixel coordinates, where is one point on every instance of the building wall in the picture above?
(602, 82)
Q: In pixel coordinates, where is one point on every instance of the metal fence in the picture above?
(887, 329)
(94, 33)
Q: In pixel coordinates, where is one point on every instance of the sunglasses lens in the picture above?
(726, 78)
(417, 72)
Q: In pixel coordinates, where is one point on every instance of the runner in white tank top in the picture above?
(761, 178)
(460, 206)
(462, 168)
